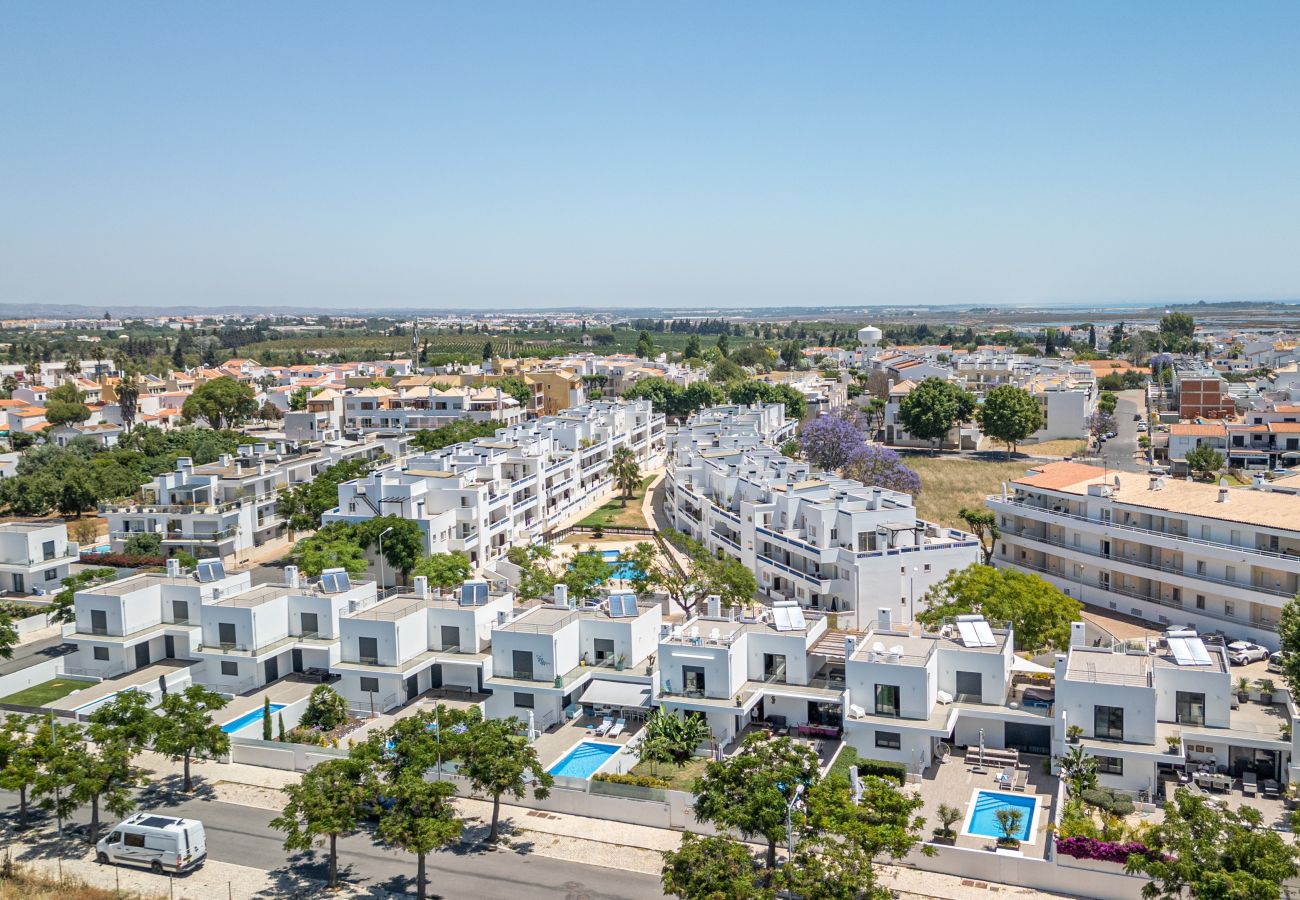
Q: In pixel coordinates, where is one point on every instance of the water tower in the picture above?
(869, 337)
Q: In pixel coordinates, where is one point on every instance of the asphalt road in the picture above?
(241, 835)
(1119, 452)
(35, 652)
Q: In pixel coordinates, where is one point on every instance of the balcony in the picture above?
(201, 537)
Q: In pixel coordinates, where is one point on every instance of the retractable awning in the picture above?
(616, 693)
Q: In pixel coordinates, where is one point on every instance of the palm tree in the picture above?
(128, 395)
(626, 471)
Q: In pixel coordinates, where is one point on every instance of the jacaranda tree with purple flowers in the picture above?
(878, 466)
(829, 442)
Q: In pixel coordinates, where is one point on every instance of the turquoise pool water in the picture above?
(984, 822)
(583, 760)
(625, 571)
(249, 718)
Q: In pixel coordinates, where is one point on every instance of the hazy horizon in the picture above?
(515, 156)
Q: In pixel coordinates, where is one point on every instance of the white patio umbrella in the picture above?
(981, 746)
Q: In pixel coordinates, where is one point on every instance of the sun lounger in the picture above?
(605, 725)
(1004, 780)
(618, 728)
(1248, 784)
(1022, 780)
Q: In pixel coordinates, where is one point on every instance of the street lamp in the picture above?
(789, 821)
(381, 555)
(911, 594)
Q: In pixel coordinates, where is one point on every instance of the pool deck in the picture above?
(953, 783)
(144, 677)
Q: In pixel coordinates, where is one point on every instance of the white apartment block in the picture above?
(229, 506)
(547, 660)
(911, 689)
(423, 406)
(1130, 700)
(783, 666)
(829, 543)
(35, 557)
(485, 495)
(1168, 551)
(419, 640)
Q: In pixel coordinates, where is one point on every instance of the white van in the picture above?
(162, 843)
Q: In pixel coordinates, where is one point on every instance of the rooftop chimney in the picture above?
(226, 459)
(184, 463)
(291, 577)
(422, 587)
(883, 618)
(1077, 634)
(714, 603)
(850, 644)
(174, 567)
(561, 595)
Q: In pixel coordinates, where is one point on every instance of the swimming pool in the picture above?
(621, 571)
(90, 706)
(584, 760)
(249, 718)
(982, 820)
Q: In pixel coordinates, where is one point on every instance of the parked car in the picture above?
(1141, 427)
(163, 843)
(1275, 661)
(1137, 417)
(1243, 652)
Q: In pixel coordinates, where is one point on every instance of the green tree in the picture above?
(932, 408)
(304, 505)
(1010, 414)
(586, 573)
(1288, 633)
(60, 753)
(453, 433)
(712, 868)
(106, 777)
(145, 543)
(645, 347)
(753, 391)
(19, 761)
(329, 802)
(445, 570)
(516, 387)
(403, 545)
(724, 345)
(1207, 852)
(419, 818)
(187, 731)
(128, 401)
(499, 760)
(679, 736)
(751, 790)
(488, 352)
(984, 525)
(222, 402)
(128, 718)
(725, 371)
(626, 472)
(1204, 460)
(1037, 611)
(66, 405)
(334, 546)
(298, 399)
(692, 350)
(266, 718)
(535, 578)
(75, 497)
(326, 709)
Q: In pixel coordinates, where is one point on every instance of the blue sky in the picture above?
(751, 154)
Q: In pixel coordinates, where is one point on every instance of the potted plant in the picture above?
(1265, 690)
(618, 663)
(1073, 733)
(1174, 741)
(1243, 689)
(1286, 731)
(948, 816)
(1009, 820)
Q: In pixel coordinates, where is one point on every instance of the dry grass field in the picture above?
(1059, 449)
(26, 884)
(948, 483)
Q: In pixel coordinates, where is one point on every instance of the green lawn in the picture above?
(680, 779)
(614, 513)
(41, 694)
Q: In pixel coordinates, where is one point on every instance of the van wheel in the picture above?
(101, 858)
(156, 867)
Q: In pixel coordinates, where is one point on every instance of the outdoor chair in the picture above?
(617, 729)
(605, 725)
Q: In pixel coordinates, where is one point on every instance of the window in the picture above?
(1200, 601)
(101, 653)
(887, 700)
(369, 685)
(1228, 608)
(51, 574)
(368, 650)
(1189, 708)
(1108, 722)
(48, 550)
(889, 740)
(1109, 765)
(230, 668)
(524, 700)
(98, 621)
(226, 634)
(133, 840)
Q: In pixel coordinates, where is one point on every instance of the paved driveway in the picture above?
(1120, 452)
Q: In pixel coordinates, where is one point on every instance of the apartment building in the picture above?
(1131, 700)
(1167, 551)
(546, 660)
(419, 640)
(482, 496)
(35, 556)
(254, 637)
(126, 624)
(782, 665)
(910, 689)
(223, 508)
(1199, 392)
(828, 543)
(426, 407)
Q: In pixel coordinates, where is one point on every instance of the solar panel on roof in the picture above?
(984, 633)
(966, 630)
(781, 618)
(473, 593)
(335, 581)
(1200, 656)
(1178, 647)
(210, 570)
(797, 621)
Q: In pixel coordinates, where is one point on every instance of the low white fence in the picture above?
(29, 624)
(37, 673)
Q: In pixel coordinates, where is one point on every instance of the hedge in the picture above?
(1116, 804)
(645, 781)
(877, 767)
(121, 560)
(1106, 851)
